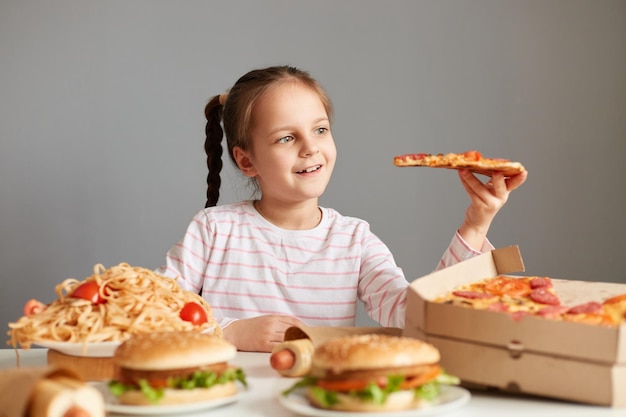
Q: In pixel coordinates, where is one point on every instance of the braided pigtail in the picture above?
(213, 149)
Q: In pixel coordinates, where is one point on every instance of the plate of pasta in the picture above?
(94, 316)
(101, 349)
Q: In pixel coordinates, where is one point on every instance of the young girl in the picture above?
(281, 260)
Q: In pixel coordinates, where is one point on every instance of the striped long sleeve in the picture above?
(244, 266)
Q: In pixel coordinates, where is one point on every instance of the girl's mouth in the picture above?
(309, 169)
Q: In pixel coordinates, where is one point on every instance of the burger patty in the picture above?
(159, 378)
(362, 374)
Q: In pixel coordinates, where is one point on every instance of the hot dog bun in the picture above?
(62, 396)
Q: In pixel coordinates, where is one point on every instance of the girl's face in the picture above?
(293, 152)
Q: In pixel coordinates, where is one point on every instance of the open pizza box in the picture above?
(532, 355)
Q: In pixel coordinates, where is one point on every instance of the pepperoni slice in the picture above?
(472, 295)
(591, 307)
(508, 286)
(540, 282)
(543, 296)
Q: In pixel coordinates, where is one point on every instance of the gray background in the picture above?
(102, 127)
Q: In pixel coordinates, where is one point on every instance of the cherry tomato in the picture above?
(89, 290)
(33, 306)
(194, 313)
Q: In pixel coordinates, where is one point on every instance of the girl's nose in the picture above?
(309, 147)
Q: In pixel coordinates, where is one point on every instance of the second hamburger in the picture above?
(374, 373)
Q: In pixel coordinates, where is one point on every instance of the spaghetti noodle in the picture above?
(136, 300)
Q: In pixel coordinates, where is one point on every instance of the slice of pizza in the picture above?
(472, 160)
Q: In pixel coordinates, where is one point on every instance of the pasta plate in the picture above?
(92, 350)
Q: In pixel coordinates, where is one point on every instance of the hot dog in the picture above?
(283, 359)
(65, 397)
(292, 358)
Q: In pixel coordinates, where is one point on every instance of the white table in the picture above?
(265, 385)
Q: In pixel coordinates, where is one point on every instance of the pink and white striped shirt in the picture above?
(244, 266)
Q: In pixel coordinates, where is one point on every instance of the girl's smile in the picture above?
(309, 170)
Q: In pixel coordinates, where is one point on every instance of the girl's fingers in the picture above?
(514, 182)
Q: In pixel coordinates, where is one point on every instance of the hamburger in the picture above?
(374, 372)
(174, 368)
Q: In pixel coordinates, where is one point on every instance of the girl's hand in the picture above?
(486, 200)
(259, 334)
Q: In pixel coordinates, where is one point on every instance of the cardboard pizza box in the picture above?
(530, 355)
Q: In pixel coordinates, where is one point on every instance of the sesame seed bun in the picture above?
(372, 351)
(172, 350)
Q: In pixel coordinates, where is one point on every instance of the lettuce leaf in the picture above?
(199, 379)
(374, 393)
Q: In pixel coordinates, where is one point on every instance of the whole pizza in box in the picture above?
(534, 295)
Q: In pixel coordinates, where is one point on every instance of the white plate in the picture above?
(451, 397)
(111, 405)
(99, 349)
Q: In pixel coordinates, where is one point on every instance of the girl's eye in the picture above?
(321, 130)
(285, 139)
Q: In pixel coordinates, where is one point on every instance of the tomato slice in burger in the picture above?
(194, 313)
(508, 286)
(346, 385)
(420, 380)
(90, 291)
